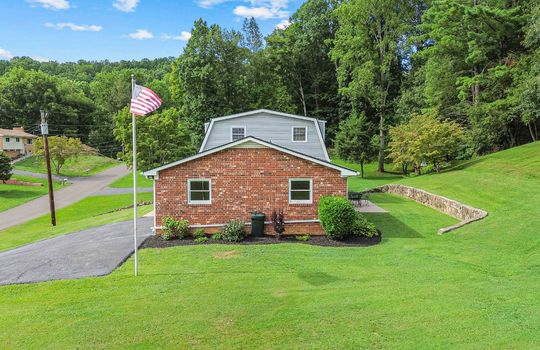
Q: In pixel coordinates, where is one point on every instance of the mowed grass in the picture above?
(371, 177)
(14, 195)
(89, 212)
(127, 181)
(80, 166)
(475, 288)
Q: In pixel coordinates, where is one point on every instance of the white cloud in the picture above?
(40, 58)
(74, 27)
(5, 54)
(184, 36)
(260, 12)
(209, 3)
(141, 34)
(126, 5)
(283, 24)
(51, 4)
(263, 9)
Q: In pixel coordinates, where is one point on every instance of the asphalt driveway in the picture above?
(92, 252)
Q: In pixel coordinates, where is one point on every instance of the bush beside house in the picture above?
(339, 219)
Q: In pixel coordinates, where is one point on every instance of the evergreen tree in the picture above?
(5, 167)
(354, 141)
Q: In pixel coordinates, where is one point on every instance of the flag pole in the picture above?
(134, 168)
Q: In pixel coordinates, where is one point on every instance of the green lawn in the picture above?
(371, 177)
(474, 288)
(14, 195)
(127, 181)
(89, 212)
(80, 166)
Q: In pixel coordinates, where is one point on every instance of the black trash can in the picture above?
(257, 224)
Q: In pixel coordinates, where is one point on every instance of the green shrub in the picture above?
(362, 227)
(233, 231)
(217, 237)
(302, 238)
(337, 216)
(174, 228)
(201, 239)
(198, 233)
(166, 235)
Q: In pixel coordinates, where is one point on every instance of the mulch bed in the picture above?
(22, 183)
(157, 242)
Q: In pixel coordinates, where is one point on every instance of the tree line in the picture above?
(365, 66)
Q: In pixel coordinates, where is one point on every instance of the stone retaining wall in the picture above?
(463, 212)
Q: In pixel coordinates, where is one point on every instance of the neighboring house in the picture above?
(255, 161)
(16, 142)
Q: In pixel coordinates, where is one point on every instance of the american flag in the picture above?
(144, 100)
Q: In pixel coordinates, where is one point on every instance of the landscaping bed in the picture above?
(354, 241)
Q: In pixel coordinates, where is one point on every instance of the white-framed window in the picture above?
(199, 191)
(29, 141)
(17, 139)
(238, 132)
(299, 134)
(300, 191)
(7, 139)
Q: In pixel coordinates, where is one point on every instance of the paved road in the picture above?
(82, 187)
(111, 191)
(93, 252)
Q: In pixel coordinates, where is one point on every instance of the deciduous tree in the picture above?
(61, 149)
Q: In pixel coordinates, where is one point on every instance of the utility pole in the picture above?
(45, 132)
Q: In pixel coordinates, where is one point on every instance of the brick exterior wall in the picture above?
(246, 180)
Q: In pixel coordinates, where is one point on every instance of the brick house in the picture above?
(16, 142)
(245, 173)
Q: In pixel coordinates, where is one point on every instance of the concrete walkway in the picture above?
(368, 207)
(93, 252)
(82, 187)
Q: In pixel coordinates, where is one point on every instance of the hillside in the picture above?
(507, 185)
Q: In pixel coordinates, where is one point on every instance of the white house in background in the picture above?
(16, 142)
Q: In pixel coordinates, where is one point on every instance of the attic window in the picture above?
(238, 133)
(299, 134)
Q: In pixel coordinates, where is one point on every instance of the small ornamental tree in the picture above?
(5, 167)
(354, 142)
(278, 222)
(424, 139)
(61, 149)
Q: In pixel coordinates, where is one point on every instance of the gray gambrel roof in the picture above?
(344, 171)
(209, 126)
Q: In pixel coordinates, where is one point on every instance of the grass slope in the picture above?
(80, 166)
(89, 212)
(371, 177)
(475, 288)
(14, 195)
(127, 181)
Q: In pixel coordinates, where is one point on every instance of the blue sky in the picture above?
(68, 30)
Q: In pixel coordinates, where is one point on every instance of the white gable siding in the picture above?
(13, 144)
(271, 128)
